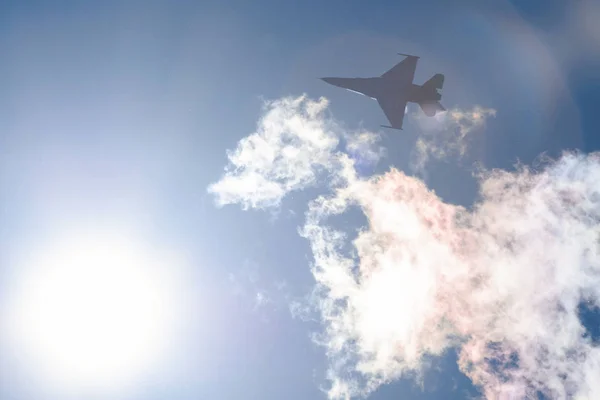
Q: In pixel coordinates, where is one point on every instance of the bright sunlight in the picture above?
(93, 310)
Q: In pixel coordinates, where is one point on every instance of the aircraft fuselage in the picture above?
(377, 87)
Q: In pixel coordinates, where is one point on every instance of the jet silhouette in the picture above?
(395, 88)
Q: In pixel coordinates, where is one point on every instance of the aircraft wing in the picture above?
(404, 71)
(393, 108)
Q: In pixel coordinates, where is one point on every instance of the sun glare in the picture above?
(92, 311)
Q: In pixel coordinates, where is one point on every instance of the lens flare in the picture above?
(92, 311)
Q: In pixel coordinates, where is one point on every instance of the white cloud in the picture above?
(292, 142)
(364, 147)
(447, 134)
(500, 282)
(504, 279)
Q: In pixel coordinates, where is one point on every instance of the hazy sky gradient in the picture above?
(121, 113)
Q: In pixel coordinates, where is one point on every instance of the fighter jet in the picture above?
(395, 88)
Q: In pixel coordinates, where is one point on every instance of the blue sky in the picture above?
(119, 115)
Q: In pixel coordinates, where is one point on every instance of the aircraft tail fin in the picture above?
(430, 109)
(435, 82)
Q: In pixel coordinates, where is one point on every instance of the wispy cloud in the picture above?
(447, 134)
(364, 148)
(501, 282)
(291, 144)
(258, 292)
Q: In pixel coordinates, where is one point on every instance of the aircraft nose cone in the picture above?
(333, 81)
